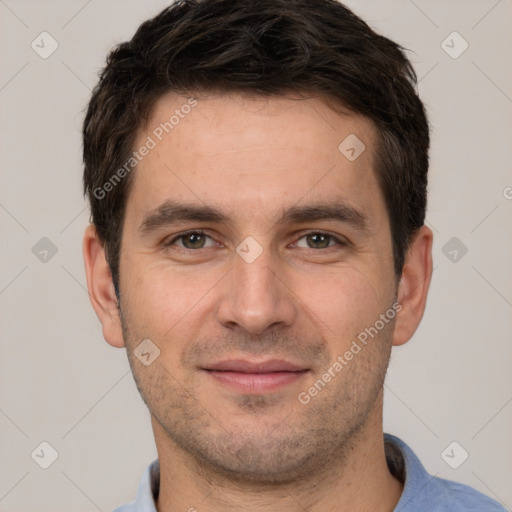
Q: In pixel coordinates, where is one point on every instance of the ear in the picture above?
(101, 287)
(414, 285)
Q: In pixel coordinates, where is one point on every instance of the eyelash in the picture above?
(170, 243)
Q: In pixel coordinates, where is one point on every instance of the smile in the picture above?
(256, 378)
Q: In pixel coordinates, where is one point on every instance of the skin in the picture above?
(303, 299)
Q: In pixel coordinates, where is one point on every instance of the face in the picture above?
(254, 254)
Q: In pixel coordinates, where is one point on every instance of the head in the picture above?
(286, 138)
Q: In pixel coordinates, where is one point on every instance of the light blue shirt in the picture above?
(422, 492)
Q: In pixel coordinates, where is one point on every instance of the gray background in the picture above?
(59, 380)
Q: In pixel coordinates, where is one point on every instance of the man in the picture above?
(257, 176)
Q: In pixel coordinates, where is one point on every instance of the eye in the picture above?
(319, 240)
(191, 240)
(197, 239)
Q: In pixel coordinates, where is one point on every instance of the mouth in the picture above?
(255, 377)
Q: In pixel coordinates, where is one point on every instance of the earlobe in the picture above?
(414, 285)
(101, 287)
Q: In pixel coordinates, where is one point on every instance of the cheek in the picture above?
(343, 303)
(163, 300)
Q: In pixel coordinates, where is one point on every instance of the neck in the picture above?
(357, 478)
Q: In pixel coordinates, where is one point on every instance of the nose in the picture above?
(256, 296)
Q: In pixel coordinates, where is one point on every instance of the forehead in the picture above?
(250, 155)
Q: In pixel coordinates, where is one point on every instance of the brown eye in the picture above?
(193, 240)
(318, 240)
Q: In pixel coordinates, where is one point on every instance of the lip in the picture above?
(255, 377)
(245, 366)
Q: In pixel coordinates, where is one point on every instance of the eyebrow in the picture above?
(172, 212)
